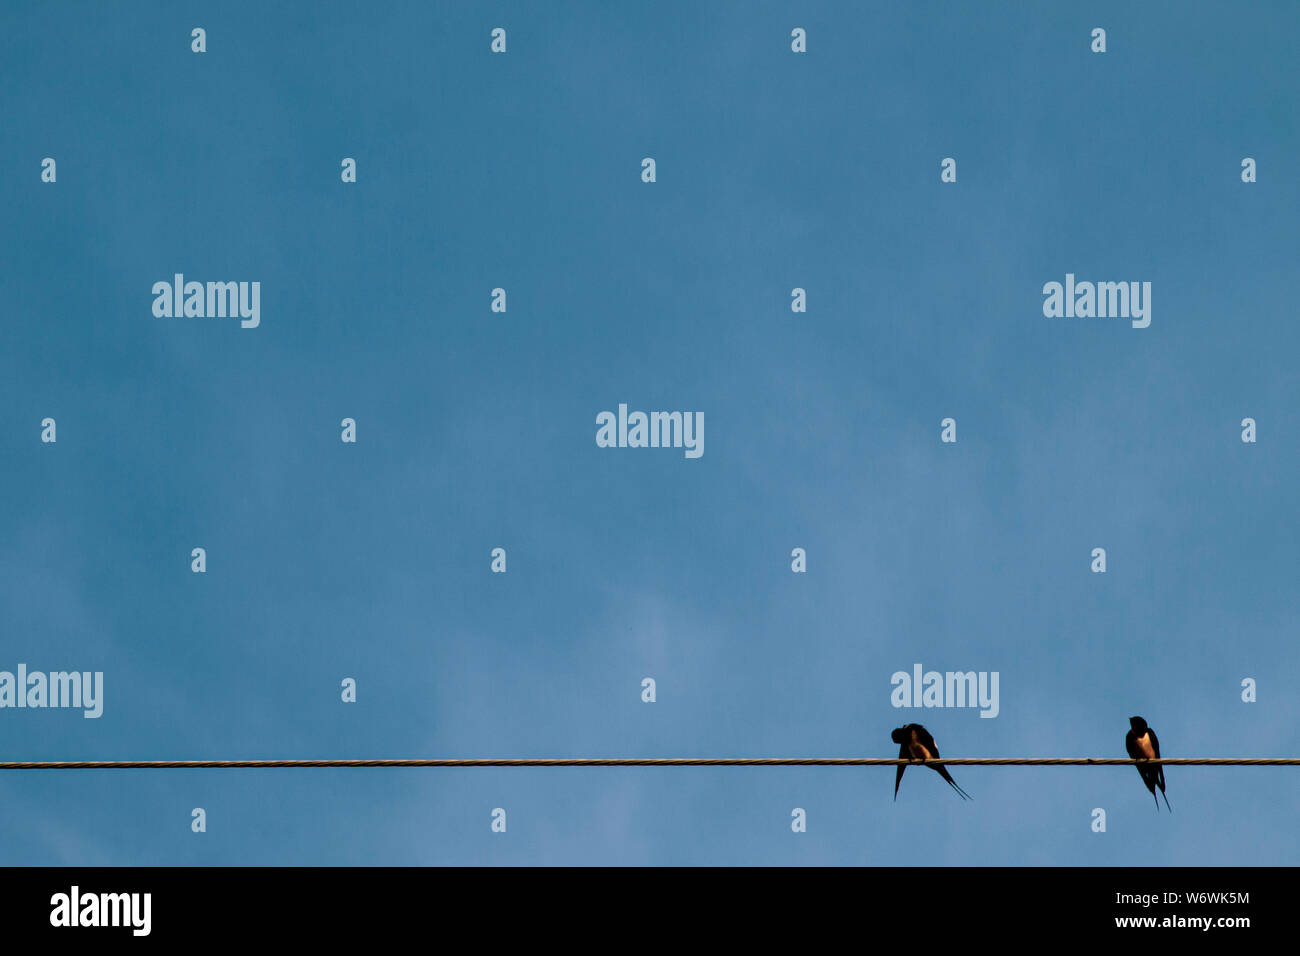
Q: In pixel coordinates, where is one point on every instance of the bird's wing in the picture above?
(923, 735)
(1159, 774)
(1130, 744)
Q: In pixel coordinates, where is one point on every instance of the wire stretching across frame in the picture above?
(647, 762)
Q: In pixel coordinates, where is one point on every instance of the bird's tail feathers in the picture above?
(953, 783)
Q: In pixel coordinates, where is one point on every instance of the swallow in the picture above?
(915, 743)
(1142, 744)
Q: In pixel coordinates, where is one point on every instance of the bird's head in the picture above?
(1138, 724)
(898, 735)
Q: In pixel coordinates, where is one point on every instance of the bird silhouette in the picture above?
(915, 743)
(1142, 744)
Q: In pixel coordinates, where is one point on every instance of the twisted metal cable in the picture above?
(648, 762)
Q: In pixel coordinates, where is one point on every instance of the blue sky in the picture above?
(476, 430)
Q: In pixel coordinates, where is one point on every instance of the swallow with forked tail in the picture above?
(1142, 744)
(915, 743)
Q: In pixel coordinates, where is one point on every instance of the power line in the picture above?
(649, 762)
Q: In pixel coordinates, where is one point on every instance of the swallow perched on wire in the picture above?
(1142, 744)
(915, 743)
